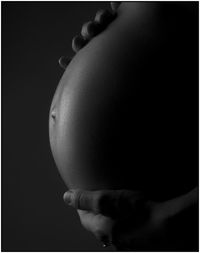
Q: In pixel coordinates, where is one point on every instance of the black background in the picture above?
(34, 36)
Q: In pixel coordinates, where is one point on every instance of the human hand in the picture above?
(91, 29)
(121, 217)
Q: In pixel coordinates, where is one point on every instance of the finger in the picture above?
(115, 5)
(83, 200)
(104, 17)
(78, 42)
(99, 225)
(110, 203)
(105, 202)
(64, 61)
(90, 29)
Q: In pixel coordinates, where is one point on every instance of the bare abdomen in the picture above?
(110, 129)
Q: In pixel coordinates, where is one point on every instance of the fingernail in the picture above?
(68, 197)
(64, 61)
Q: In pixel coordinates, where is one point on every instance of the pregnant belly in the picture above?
(106, 126)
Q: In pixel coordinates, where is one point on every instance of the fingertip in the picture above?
(89, 29)
(115, 5)
(104, 17)
(67, 197)
(72, 198)
(64, 61)
(78, 42)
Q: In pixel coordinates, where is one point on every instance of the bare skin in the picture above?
(129, 221)
(90, 29)
(132, 220)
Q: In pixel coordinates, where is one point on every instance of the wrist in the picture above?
(180, 204)
(167, 210)
(157, 211)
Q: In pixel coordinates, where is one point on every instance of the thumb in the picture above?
(107, 202)
(81, 199)
(93, 201)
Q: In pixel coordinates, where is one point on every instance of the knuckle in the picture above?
(80, 200)
(77, 198)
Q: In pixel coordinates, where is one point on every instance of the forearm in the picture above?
(180, 204)
(181, 218)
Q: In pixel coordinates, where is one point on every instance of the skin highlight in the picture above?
(101, 225)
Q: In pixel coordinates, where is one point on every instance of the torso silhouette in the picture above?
(126, 105)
